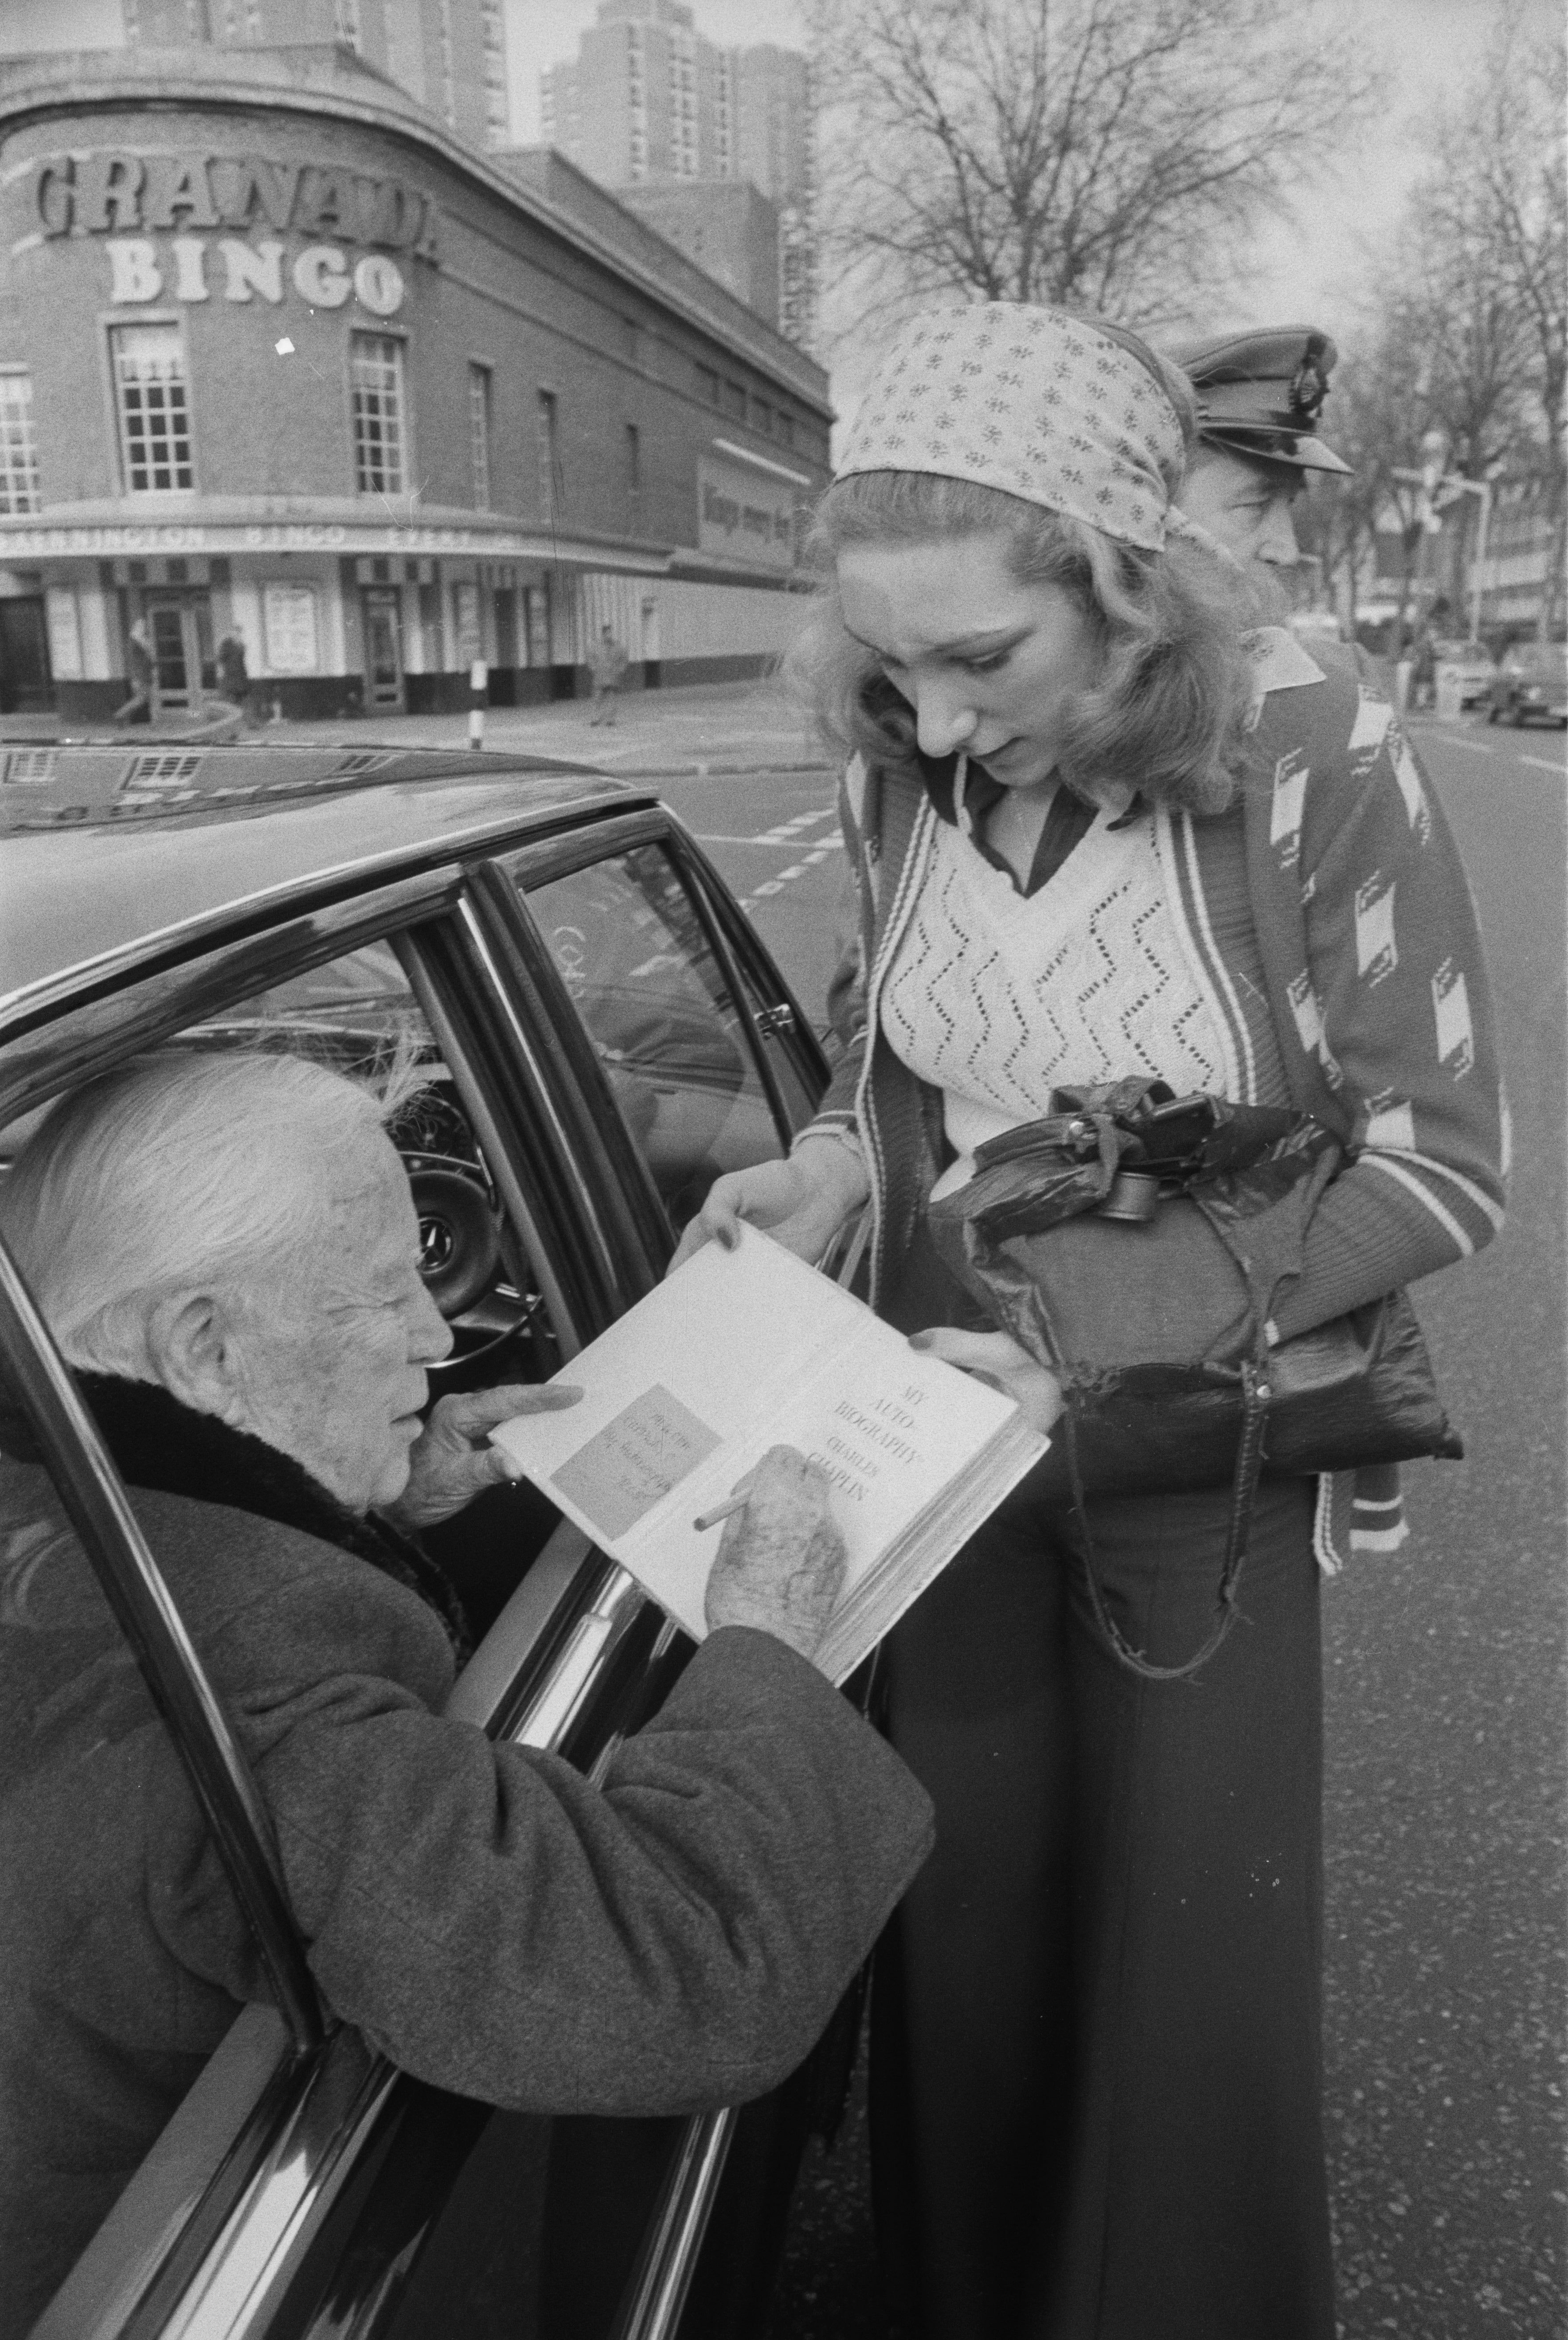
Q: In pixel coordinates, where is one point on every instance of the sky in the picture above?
(1313, 269)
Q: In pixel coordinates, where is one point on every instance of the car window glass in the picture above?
(663, 1019)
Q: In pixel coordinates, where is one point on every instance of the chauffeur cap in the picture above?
(1260, 394)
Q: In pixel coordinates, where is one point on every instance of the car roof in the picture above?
(92, 872)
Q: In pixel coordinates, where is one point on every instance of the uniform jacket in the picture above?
(1376, 989)
(671, 1940)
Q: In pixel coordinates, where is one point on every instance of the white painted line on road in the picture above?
(786, 832)
(788, 844)
(1542, 764)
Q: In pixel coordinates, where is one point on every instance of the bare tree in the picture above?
(1379, 407)
(1464, 329)
(1508, 146)
(1102, 155)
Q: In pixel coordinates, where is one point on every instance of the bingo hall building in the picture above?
(280, 357)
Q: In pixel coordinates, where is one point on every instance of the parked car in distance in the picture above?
(1531, 685)
(600, 1032)
(1475, 665)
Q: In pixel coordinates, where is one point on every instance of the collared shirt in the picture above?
(1067, 822)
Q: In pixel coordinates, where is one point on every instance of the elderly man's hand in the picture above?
(451, 1461)
(780, 1564)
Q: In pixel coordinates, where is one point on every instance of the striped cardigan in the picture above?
(1376, 989)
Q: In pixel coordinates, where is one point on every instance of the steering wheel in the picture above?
(459, 1240)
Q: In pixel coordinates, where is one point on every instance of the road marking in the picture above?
(786, 844)
(786, 832)
(1542, 765)
(771, 885)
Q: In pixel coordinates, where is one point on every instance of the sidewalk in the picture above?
(705, 728)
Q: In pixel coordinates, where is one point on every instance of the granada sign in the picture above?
(157, 214)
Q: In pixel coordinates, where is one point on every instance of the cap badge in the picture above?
(1309, 384)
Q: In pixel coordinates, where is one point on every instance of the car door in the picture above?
(304, 2185)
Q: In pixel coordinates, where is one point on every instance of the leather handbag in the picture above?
(1134, 1242)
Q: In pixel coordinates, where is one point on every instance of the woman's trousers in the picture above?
(1095, 2069)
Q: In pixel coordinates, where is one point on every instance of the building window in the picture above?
(18, 445)
(154, 399)
(708, 384)
(633, 473)
(762, 417)
(478, 435)
(735, 399)
(784, 428)
(547, 425)
(375, 370)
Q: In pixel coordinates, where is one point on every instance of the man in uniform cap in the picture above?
(1259, 398)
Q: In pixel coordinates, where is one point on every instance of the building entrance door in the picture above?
(24, 684)
(175, 631)
(384, 648)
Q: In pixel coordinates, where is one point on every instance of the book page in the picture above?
(735, 1352)
(694, 1366)
(635, 1461)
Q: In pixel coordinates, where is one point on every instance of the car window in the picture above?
(673, 1038)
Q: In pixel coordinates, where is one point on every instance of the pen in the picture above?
(706, 1520)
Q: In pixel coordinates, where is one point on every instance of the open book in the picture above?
(742, 1350)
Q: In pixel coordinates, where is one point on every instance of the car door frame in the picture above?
(250, 2169)
(742, 958)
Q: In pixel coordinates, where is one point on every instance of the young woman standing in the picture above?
(1097, 832)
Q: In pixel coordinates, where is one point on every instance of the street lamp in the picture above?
(1434, 452)
(1439, 488)
(1434, 455)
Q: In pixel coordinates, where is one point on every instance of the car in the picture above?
(600, 1032)
(1472, 664)
(1531, 685)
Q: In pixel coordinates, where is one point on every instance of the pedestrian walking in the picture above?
(606, 671)
(1097, 831)
(139, 663)
(233, 674)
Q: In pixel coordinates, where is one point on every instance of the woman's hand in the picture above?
(452, 1460)
(802, 1203)
(1006, 1364)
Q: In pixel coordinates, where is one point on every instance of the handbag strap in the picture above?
(1256, 1395)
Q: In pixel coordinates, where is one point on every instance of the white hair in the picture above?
(180, 1170)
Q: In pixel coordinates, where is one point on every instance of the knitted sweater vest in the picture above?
(997, 998)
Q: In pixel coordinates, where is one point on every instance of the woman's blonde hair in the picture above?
(1166, 711)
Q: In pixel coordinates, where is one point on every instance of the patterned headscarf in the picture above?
(1037, 402)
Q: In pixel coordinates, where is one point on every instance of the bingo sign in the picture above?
(293, 231)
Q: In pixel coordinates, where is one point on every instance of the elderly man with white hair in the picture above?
(226, 1248)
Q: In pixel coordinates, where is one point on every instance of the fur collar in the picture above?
(159, 1444)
